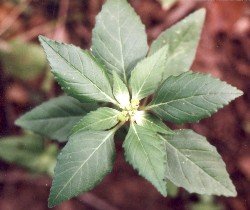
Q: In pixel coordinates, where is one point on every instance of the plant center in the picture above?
(130, 112)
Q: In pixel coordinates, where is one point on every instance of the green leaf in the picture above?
(194, 164)
(190, 97)
(84, 161)
(119, 39)
(77, 72)
(120, 91)
(147, 75)
(28, 151)
(55, 118)
(154, 123)
(145, 151)
(24, 61)
(182, 39)
(102, 119)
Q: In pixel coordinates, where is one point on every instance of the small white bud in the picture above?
(138, 117)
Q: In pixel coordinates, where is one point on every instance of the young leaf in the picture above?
(102, 119)
(119, 39)
(84, 161)
(191, 96)
(182, 39)
(146, 153)
(194, 164)
(147, 75)
(154, 123)
(56, 117)
(77, 72)
(120, 91)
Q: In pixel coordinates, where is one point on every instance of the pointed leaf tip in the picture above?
(84, 161)
(182, 39)
(147, 74)
(199, 97)
(119, 39)
(195, 165)
(99, 120)
(146, 153)
(77, 72)
(120, 91)
(56, 117)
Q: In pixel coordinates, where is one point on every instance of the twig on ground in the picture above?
(12, 17)
(34, 32)
(95, 202)
(60, 29)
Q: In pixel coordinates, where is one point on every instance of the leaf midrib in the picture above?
(159, 127)
(103, 93)
(121, 47)
(104, 119)
(150, 72)
(178, 99)
(159, 181)
(105, 139)
(178, 151)
(54, 118)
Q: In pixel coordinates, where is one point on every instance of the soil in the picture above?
(224, 52)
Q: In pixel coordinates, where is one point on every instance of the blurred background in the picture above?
(27, 160)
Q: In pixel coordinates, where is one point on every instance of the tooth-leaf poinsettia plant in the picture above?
(123, 82)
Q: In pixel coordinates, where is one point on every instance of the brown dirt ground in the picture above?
(224, 52)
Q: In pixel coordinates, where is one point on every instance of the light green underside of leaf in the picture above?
(77, 72)
(21, 149)
(190, 97)
(147, 75)
(101, 119)
(119, 38)
(30, 152)
(120, 90)
(83, 162)
(55, 118)
(146, 153)
(155, 124)
(194, 164)
(182, 39)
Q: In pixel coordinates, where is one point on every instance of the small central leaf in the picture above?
(120, 91)
(147, 75)
(102, 119)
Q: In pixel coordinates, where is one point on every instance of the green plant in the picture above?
(29, 152)
(116, 73)
(23, 61)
